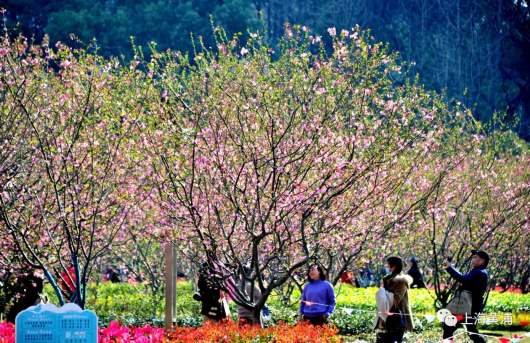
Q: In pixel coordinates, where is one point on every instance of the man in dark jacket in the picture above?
(476, 281)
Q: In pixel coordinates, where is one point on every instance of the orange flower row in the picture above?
(229, 331)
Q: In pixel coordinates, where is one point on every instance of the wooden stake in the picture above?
(171, 286)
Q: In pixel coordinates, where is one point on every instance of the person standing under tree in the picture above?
(32, 286)
(476, 281)
(415, 273)
(318, 298)
(212, 308)
(245, 315)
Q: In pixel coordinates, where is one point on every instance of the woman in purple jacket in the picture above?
(318, 298)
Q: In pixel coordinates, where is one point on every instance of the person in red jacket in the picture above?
(69, 282)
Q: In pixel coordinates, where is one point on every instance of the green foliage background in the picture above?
(113, 23)
(477, 52)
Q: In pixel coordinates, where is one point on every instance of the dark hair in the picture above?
(397, 262)
(414, 262)
(323, 275)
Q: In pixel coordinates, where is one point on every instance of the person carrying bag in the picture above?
(400, 320)
(395, 321)
(469, 298)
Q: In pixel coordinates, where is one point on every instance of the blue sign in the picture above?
(48, 323)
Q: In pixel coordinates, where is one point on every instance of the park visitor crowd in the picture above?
(317, 303)
(394, 317)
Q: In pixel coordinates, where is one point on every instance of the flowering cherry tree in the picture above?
(272, 159)
(481, 204)
(143, 257)
(65, 193)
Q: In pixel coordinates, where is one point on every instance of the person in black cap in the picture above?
(476, 281)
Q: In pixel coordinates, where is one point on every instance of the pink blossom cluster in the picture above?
(118, 333)
(7, 333)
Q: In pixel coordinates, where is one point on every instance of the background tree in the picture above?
(481, 204)
(71, 196)
(272, 165)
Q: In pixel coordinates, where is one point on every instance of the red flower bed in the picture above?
(7, 333)
(115, 333)
(223, 332)
(232, 332)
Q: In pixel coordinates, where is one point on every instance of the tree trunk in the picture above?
(257, 315)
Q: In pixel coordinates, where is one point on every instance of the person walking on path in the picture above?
(318, 298)
(476, 282)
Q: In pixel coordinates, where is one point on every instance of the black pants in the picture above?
(396, 337)
(449, 331)
(316, 320)
(390, 337)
